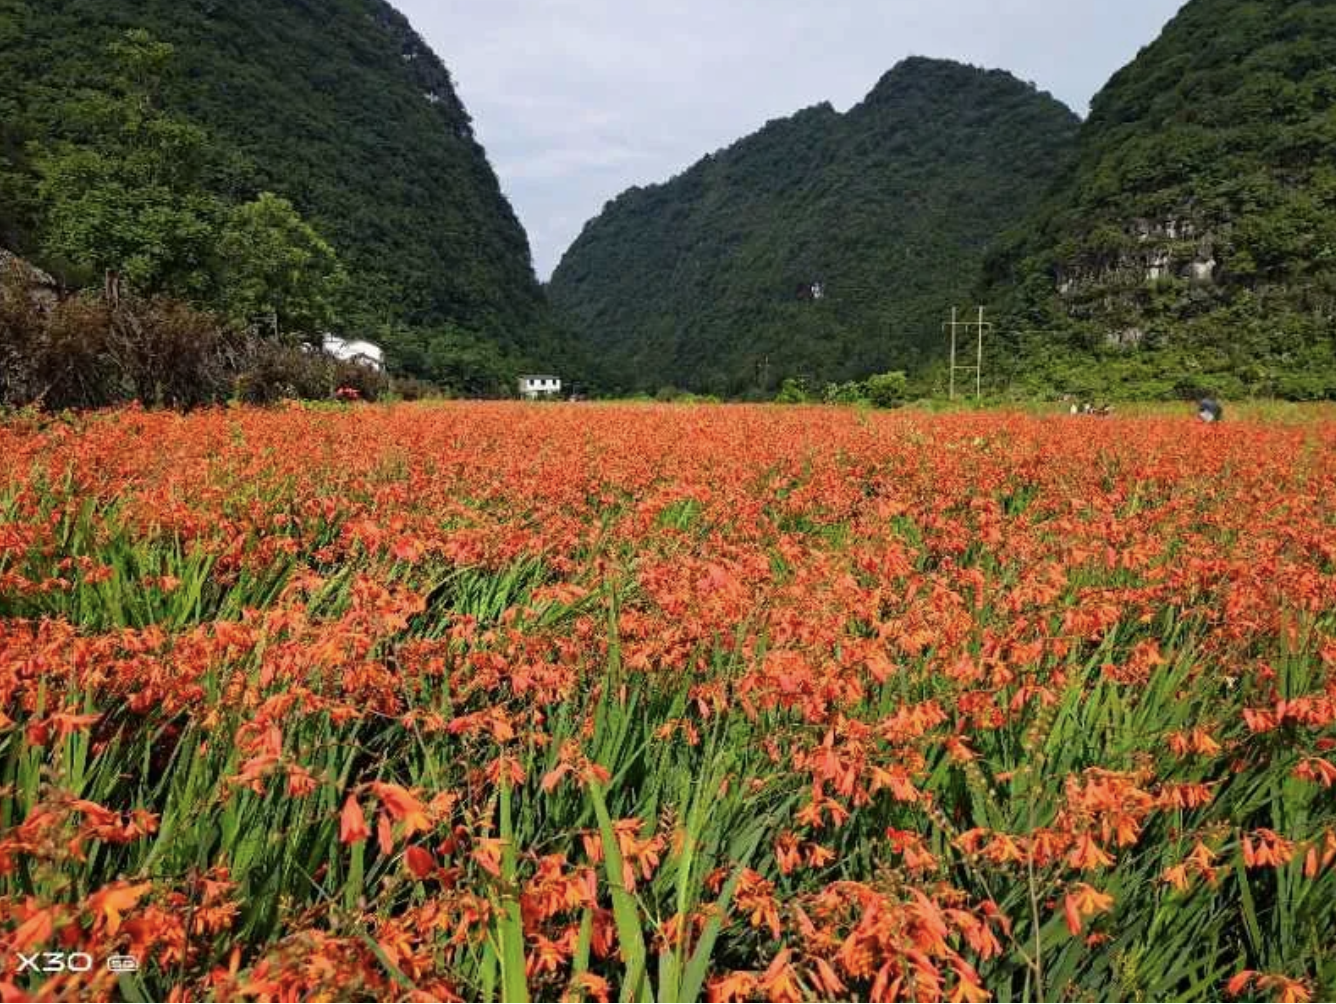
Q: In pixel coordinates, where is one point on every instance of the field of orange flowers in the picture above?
(503, 701)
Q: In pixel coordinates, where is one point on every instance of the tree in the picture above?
(124, 198)
(467, 363)
(276, 266)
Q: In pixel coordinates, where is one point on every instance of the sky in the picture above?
(577, 100)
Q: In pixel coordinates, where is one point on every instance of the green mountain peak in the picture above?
(824, 246)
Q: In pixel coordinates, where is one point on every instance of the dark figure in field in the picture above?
(1209, 410)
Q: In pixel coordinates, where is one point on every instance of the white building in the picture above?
(532, 386)
(365, 353)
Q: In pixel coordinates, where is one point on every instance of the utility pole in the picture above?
(980, 327)
(953, 353)
(978, 363)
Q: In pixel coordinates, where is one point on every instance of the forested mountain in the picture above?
(336, 105)
(825, 246)
(1193, 246)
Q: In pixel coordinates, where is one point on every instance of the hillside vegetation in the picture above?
(708, 281)
(1193, 245)
(310, 165)
(337, 106)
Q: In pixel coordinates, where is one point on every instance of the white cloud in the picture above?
(576, 100)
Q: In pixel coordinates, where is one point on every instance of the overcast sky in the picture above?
(577, 100)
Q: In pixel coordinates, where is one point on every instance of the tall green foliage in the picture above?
(123, 194)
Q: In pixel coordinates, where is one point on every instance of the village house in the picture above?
(354, 351)
(536, 386)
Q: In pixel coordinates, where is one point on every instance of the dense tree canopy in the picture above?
(824, 246)
(311, 162)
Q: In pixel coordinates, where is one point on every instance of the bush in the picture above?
(370, 384)
(413, 389)
(887, 390)
(666, 393)
(82, 353)
(274, 371)
(791, 392)
(54, 357)
(851, 392)
(168, 354)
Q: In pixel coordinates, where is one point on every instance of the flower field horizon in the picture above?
(496, 701)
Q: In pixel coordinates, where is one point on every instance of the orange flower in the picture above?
(1083, 901)
(352, 823)
(110, 902)
(419, 861)
(34, 931)
(488, 855)
(1088, 855)
(871, 619)
(1317, 770)
(402, 807)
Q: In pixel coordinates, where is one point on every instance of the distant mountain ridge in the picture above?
(823, 246)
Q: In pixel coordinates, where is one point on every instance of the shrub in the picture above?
(169, 354)
(791, 392)
(274, 371)
(81, 353)
(413, 389)
(370, 384)
(55, 357)
(850, 392)
(887, 390)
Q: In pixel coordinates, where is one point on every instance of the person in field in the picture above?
(1209, 410)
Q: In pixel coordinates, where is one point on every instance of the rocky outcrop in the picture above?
(1147, 252)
